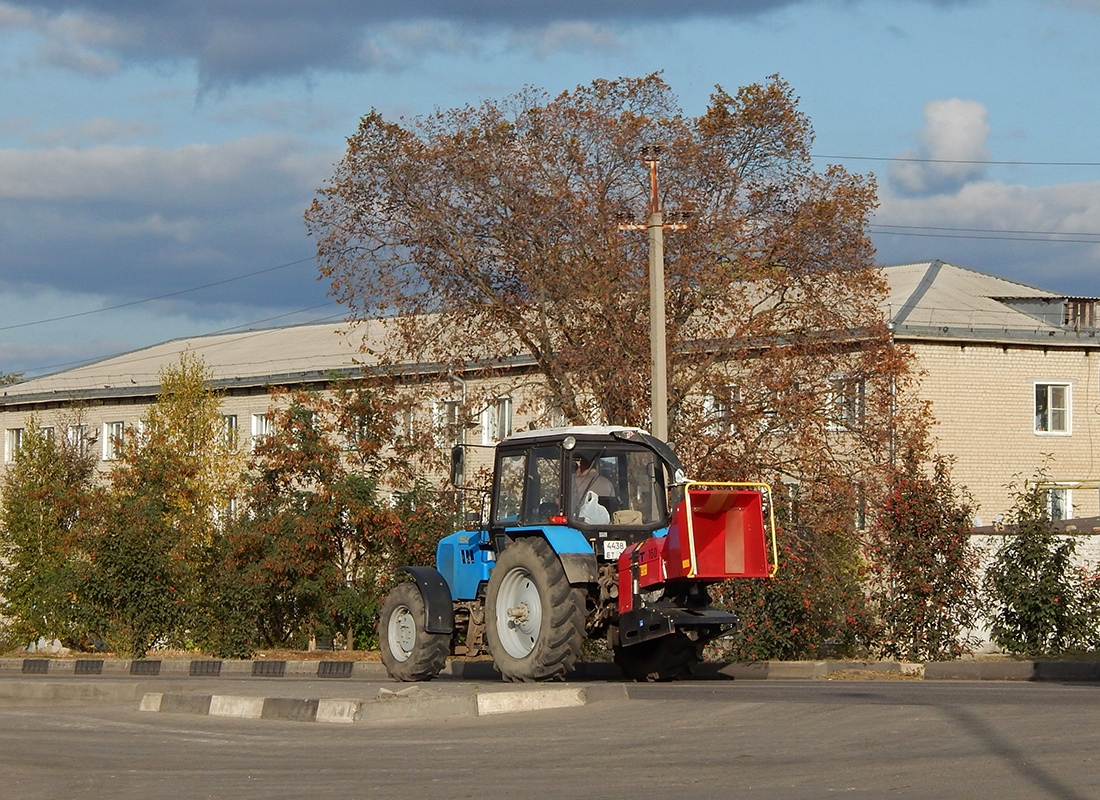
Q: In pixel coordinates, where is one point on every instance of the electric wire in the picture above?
(157, 297)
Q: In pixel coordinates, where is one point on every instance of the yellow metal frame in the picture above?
(763, 488)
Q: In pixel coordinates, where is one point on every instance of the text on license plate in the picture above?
(613, 548)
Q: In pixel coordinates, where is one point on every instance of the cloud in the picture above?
(99, 130)
(1020, 232)
(235, 42)
(139, 221)
(952, 144)
(568, 36)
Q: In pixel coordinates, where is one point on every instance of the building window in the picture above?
(261, 428)
(1080, 314)
(78, 438)
(496, 421)
(13, 443)
(719, 408)
(846, 403)
(1052, 408)
(112, 439)
(448, 423)
(47, 432)
(553, 415)
(1059, 503)
(229, 430)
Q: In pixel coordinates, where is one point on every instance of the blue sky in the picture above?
(156, 156)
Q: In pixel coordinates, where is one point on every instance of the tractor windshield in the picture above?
(604, 484)
(615, 485)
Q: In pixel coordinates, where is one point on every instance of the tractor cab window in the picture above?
(616, 485)
(528, 487)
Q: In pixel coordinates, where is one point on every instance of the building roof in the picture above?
(249, 358)
(934, 299)
(926, 300)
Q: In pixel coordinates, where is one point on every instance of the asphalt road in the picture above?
(772, 739)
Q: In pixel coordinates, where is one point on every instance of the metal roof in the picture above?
(249, 358)
(933, 299)
(926, 300)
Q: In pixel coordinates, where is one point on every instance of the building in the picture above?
(1010, 370)
(1012, 373)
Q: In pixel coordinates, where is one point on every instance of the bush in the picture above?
(1039, 602)
(922, 569)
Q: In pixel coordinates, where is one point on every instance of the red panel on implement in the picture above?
(728, 531)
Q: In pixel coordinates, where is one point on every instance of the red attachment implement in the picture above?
(720, 532)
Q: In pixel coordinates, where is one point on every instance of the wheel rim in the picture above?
(401, 633)
(519, 613)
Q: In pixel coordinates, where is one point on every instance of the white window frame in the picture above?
(448, 423)
(230, 431)
(1059, 503)
(718, 407)
(1043, 426)
(78, 437)
(846, 403)
(113, 434)
(13, 443)
(496, 420)
(261, 428)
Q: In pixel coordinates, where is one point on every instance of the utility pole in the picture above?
(655, 227)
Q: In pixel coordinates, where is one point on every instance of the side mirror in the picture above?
(458, 465)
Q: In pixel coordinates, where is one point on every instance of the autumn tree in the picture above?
(48, 501)
(491, 237)
(169, 496)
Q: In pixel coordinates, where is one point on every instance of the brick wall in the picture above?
(983, 399)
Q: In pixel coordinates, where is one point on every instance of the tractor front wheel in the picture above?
(409, 652)
(534, 619)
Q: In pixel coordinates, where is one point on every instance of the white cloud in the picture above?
(148, 173)
(568, 37)
(952, 142)
(1021, 232)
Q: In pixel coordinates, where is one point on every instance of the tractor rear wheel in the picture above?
(534, 619)
(409, 652)
(664, 659)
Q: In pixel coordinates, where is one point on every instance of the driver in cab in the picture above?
(588, 486)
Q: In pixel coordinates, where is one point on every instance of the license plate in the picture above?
(613, 548)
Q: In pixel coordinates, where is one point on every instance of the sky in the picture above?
(156, 156)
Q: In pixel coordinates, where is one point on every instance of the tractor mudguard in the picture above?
(575, 552)
(438, 607)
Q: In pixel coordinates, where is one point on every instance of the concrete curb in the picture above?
(412, 703)
(326, 669)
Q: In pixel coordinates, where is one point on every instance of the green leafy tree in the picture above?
(1040, 603)
(48, 502)
(924, 579)
(319, 543)
(169, 497)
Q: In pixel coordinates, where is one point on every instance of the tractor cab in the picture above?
(609, 484)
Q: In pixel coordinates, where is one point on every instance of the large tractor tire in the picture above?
(534, 619)
(665, 659)
(409, 652)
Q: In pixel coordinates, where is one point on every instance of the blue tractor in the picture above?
(592, 532)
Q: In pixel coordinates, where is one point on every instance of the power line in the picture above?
(158, 297)
(941, 233)
(914, 159)
(982, 230)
